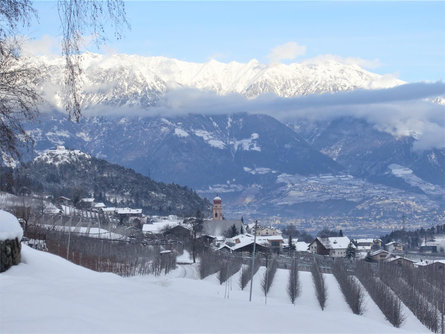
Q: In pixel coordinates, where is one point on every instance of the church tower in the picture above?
(217, 208)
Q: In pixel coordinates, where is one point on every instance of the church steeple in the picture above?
(217, 208)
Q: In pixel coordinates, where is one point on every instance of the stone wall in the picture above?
(9, 253)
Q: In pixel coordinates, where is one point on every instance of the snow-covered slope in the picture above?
(131, 80)
(46, 294)
(60, 156)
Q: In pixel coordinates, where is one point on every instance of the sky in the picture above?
(405, 39)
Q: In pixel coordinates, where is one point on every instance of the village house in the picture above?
(379, 255)
(331, 246)
(266, 231)
(86, 203)
(394, 247)
(401, 261)
(432, 265)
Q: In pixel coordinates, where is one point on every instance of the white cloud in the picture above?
(45, 46)
(287, 51)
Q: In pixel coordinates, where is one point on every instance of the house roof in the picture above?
(429, 262)
(301, 246)
(399, 258)
(364, 241)
(377, 252)
(334, 242)
(127, 211)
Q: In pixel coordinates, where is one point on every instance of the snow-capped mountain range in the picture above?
(137, 81)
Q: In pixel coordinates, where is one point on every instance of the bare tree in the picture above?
(387, 302)
(80, 18)
(351, 290)
(229, 266)
(293, 287)
(209, 263)
(247, 272)
(18, 97)
(271, 269)
(19, 79)
(320, 286)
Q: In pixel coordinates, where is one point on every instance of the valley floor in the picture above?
(46, 294)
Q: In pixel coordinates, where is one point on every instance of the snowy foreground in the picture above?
(48, 294)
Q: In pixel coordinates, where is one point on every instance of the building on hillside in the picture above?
(86, 203)
(126, 214)
(62, 200)
(273, 243)
(178, 232)
(221, 227)
(431, 265)
(379, 255)
(267, 231)
(401, 261)
(217, 209)
(331, 246)
(394, 247)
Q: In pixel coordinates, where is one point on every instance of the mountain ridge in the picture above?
(138, 81)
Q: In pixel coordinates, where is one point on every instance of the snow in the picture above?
(47, 294)
(409, 177)
(136, 80)
(60, 155)
(335, 242)
(248, 144)
(128, 211)
(181, 133)
(301, 246)
(209, 139)
(9, 227)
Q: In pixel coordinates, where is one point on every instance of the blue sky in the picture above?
(402, 38)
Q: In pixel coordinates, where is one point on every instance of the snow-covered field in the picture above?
(48, 294)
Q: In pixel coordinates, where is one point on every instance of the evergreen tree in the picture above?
(350, 251)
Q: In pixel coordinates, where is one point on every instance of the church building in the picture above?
(217, 209)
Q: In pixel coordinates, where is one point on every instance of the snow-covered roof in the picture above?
(397, 258)
(364, 241)
(378, 251)
(9, 226)
(270, 238)
(301, 246)
(157, 227)
(99, 205)
(335, 242)
(109, 209)
(428, 262)
(87, 200)
(127, 211)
